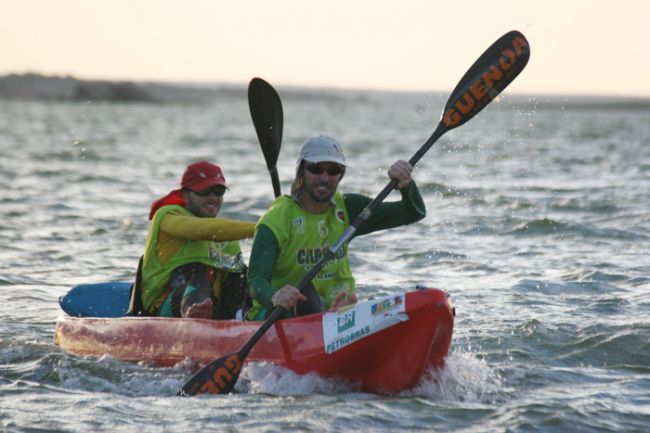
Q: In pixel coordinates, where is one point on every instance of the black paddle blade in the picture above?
(266, 110)
(497, 67)
(217, 377)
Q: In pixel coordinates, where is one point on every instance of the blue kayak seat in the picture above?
(109, 299)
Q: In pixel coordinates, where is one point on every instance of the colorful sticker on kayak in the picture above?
(344, 327)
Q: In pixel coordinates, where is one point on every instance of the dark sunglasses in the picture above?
(332, 170)
(217, 190)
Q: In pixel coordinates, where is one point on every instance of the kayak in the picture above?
(384, 345)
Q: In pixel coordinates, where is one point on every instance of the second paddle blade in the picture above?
(266, 111)
(217, 377)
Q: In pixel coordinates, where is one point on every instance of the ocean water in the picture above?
(538, 226)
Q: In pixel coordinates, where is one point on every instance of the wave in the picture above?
(624, 346)
(547, 226)
(562, 288)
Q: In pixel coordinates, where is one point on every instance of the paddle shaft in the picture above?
(275, 181)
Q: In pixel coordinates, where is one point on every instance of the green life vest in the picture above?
(303, 238)
(224, 256)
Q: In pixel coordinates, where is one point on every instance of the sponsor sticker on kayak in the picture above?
(346, 326)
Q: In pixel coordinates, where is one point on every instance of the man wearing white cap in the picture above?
(294, 234)
(192, 261)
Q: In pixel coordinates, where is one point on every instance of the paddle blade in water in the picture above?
(266, 111)
(217, 377)
(497, 67)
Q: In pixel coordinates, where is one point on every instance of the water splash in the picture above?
(465, 378)
(267, 378)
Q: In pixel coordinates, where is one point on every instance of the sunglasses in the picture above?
(217, 190)
(332, 170)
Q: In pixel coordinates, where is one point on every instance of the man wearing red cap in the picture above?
(192, 259)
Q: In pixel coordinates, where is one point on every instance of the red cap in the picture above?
(202, 175)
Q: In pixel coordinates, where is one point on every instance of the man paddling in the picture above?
(297, 230)
(192, 265)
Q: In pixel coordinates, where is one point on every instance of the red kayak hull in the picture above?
(385, 361)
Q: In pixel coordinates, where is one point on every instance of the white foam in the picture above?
(267, 378)
(465, 377)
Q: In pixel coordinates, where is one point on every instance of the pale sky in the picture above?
(577, 46)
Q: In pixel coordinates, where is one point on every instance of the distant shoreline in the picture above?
(34, 86)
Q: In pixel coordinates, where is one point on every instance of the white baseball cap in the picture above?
(322, 149)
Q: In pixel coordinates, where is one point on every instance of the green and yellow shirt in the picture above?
(177, 237)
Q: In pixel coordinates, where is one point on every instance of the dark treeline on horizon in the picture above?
(34, 86)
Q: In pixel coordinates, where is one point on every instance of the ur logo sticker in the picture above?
(345, 321)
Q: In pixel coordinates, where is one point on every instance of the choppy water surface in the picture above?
(538, 226)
